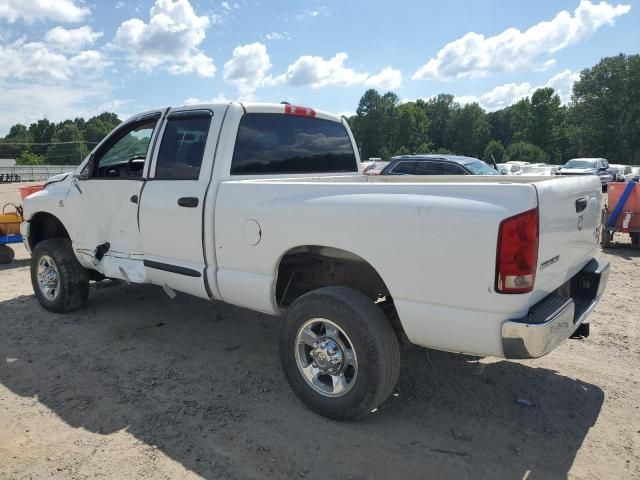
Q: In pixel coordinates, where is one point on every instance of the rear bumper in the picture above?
(556, 317)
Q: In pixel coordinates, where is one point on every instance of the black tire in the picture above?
(635, 239)
(73, 278)
(6, 254)
(607, 236)
(371, 336)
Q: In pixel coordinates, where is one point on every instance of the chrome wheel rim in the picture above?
(326, 357)
(48, 278)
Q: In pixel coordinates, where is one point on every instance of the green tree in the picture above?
(28, 158)
(439, 109)
(607, 109)
(98, 127)
(411, 127)
(374, 125)
(42, 131)
(525, 152)
(500, 123)
(68, 147)
(494, 150)
(545, 129)
(468, 130)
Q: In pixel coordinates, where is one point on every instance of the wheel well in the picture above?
(306, 268)
(43, 226)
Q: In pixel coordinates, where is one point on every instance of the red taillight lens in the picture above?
(517, 255)
(300, 111)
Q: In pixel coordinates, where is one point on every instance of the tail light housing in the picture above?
(299, 111)
(517, 254)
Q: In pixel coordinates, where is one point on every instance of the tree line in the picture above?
(602, 120)
(64, 143)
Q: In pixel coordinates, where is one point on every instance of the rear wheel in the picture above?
(339, 352)
(607, 236)
(60, 283)
(6, 254)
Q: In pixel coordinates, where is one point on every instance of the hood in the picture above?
(57, 178)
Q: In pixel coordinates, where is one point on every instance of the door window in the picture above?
(452, 169)
(430, 168)
(125, 155)
(182, 146)
(404, 168)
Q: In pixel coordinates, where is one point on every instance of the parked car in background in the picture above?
(509, 169)
(588, 166)
(437, 165)
(373, 168)
(635, 171)
(540, 169)
(620, 173)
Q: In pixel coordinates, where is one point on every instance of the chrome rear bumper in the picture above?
(556, 317)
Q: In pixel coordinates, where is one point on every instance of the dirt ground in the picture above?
(136, 385)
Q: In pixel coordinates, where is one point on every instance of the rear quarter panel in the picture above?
(434, 245)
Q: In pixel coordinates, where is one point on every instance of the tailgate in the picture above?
(570, 214)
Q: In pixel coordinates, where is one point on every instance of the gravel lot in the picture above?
(136, 385)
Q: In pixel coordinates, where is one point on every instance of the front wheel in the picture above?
(60, 283)
(339, 352)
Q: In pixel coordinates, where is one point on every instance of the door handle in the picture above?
(581, 204)
(188, 202)
(134, 199)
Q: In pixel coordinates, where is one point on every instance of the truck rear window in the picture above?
(270, 143)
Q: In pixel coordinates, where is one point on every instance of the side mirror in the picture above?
(84, 174)
(602, 169)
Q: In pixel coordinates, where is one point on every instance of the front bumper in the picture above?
(24, 231)
(556, 317)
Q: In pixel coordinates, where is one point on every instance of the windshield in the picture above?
(480, 168)
(580, 164)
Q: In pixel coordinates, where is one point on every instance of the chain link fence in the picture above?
(32, 173)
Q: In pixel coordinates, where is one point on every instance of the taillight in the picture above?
(517, 255)
(300, 111)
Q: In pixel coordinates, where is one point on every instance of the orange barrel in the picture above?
(26, 191)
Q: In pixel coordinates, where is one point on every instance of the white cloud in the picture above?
(221, 98)
(387, 79)
(26, 103)
(277, 36)
(35, 60)
(71, 40)
(512, 50)
(318, 72)
(247, 69)
(509, 93)
(562, 83)
(32, 10)
(171, 39)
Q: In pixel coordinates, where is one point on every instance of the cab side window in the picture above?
(182, 146)
(125, 154)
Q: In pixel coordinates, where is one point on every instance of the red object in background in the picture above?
(614, 191)
(26, 191)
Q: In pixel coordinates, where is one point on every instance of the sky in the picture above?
(66, 58)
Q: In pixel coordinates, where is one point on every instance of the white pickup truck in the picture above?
(264, 206)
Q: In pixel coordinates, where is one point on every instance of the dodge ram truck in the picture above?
(265, 206)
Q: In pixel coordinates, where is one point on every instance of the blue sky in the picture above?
(67, 58)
